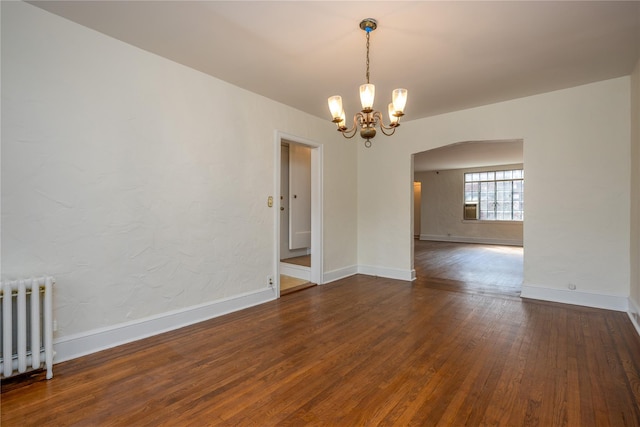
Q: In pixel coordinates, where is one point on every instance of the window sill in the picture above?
(484, 221)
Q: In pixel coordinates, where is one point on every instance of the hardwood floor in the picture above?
(360, 351)
(472, 268)
(289, 285)
(304, 260)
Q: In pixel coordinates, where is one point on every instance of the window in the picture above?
(498, 194)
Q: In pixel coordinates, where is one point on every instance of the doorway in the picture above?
(295, 216)
(481, 252)
(298, 220)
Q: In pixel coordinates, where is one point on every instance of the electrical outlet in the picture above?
(270, 281)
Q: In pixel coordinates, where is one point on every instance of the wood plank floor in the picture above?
(290, 285)
(360, 351)
(467, 267)
(304, 260)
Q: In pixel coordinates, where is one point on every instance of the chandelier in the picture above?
(367, 119)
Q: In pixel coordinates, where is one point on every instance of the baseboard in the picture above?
(588, 299)
(341, 273)
(73, 346)
(389, 273)
(295, 253)
(297, 271)
(464, 239)
(634, 314)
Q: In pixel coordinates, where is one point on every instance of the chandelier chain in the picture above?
(367, 57)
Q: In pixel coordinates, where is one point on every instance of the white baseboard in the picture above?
(464, 239)
(73, 346)
(341, 273)
(389, 273)
(588, 299)
(297, 271)
(295, 253)
(634, 314)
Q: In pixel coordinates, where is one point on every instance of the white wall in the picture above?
(417, 208)
(142, 185)
(576, 151)
(635, 196)
(442, 211)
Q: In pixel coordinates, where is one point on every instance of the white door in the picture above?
(299, 196)
(284, 203)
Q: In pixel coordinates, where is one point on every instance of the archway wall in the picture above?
(634, 300)
(576, 157)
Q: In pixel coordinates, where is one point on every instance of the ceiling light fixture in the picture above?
(368, 118)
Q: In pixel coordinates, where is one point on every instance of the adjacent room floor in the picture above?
(303, 260)
(466, 267)
(290, 284)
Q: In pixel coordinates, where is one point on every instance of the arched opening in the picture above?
(471, 217)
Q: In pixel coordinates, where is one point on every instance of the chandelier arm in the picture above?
(391, 128)
(350, 133)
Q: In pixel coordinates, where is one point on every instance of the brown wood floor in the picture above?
(290, 285)
(360, 351)
(304, 260)
(472, 268)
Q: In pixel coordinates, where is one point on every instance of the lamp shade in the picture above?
(399, 97)
(392, 114)
(335, 106)
(367, 94)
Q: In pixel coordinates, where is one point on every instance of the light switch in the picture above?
(270, 201)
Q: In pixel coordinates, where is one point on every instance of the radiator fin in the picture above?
(27, 326)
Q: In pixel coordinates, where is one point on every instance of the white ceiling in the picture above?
(450, 55)
(469, 154)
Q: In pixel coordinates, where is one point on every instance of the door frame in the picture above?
(317, 272)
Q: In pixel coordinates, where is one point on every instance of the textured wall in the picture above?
(140, 184)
